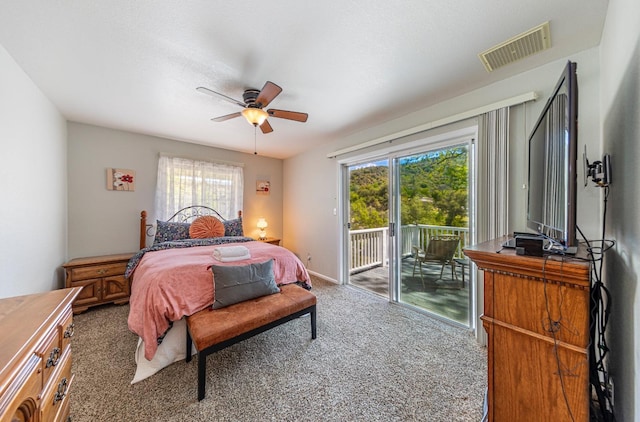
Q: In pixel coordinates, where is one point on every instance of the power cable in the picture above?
(600, 303)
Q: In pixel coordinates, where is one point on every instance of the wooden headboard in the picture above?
(185, 215)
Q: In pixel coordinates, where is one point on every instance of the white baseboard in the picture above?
(324, 277)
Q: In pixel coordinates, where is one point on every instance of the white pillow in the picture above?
(169, 351)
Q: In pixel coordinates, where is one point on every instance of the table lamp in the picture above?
(262, 224)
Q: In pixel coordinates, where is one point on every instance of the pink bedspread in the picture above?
(172, 283)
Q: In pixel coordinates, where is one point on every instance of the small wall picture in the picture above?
(121, 179)
(263, 187)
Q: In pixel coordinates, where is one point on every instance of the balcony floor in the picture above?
(444, 297)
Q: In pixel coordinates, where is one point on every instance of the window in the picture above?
(183, 182)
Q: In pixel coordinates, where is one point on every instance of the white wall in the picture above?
(312, 182)
(107, 222)
(620, 118)
(310, 196)
(33, 185)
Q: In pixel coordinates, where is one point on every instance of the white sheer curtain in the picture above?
(183, 182)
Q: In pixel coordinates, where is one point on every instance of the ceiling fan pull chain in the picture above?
(255, 131)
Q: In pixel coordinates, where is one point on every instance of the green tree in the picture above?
(369, 197)
(433, 190)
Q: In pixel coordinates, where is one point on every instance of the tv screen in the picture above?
(551, 205)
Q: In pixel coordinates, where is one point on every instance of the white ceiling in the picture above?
(135, 65)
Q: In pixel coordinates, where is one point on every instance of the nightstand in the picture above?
(102, 279)
(272, 240)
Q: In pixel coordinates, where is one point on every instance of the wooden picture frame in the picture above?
(121, 179)
(263, 187)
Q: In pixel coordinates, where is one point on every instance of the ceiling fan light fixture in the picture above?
(253, 107)
(255, 116)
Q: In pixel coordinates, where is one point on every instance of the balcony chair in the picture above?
(440, 250)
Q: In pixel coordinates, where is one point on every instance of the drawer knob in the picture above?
(53, 357)
(62, 391)
(102, 271)
(68, 333)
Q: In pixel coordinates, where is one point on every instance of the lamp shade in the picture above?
(262, 224)
(255, 116)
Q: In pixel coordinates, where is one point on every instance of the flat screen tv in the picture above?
(551, 204)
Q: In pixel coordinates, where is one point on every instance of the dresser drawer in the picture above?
(65, 409)
(91, 293)
(22, 405)
(528, 304)
(56, 393)
(35, 356)
(66, 329)
(97, 271)
(115, 287)
(50, 353)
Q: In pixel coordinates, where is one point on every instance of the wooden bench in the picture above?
(211, 330)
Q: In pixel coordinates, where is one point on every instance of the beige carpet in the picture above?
(372, 361)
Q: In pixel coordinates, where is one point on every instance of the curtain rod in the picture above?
(523, 98)
(209, 160)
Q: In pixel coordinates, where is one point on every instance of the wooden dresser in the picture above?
(536, 314)
(102, 279)
(35, 356)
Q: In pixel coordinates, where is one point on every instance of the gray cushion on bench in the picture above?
(235, 284)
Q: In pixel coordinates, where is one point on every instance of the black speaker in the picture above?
(529, 245)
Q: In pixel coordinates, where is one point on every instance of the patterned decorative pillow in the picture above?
(205, 227)
(167, 231)
(233, 227)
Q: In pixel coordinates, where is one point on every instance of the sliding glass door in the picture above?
(368, 225)
(406, 225)
(433, 198)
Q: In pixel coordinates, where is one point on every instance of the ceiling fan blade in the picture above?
(219, 95)
(267, 94)
(266, 127)
(226, 117)
(290, 115)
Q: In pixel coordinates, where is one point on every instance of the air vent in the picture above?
(526, 44)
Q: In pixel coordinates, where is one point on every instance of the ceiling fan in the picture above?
(253, 106)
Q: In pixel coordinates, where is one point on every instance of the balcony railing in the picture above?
(369, 247)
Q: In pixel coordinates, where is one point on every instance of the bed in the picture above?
(172, 278)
